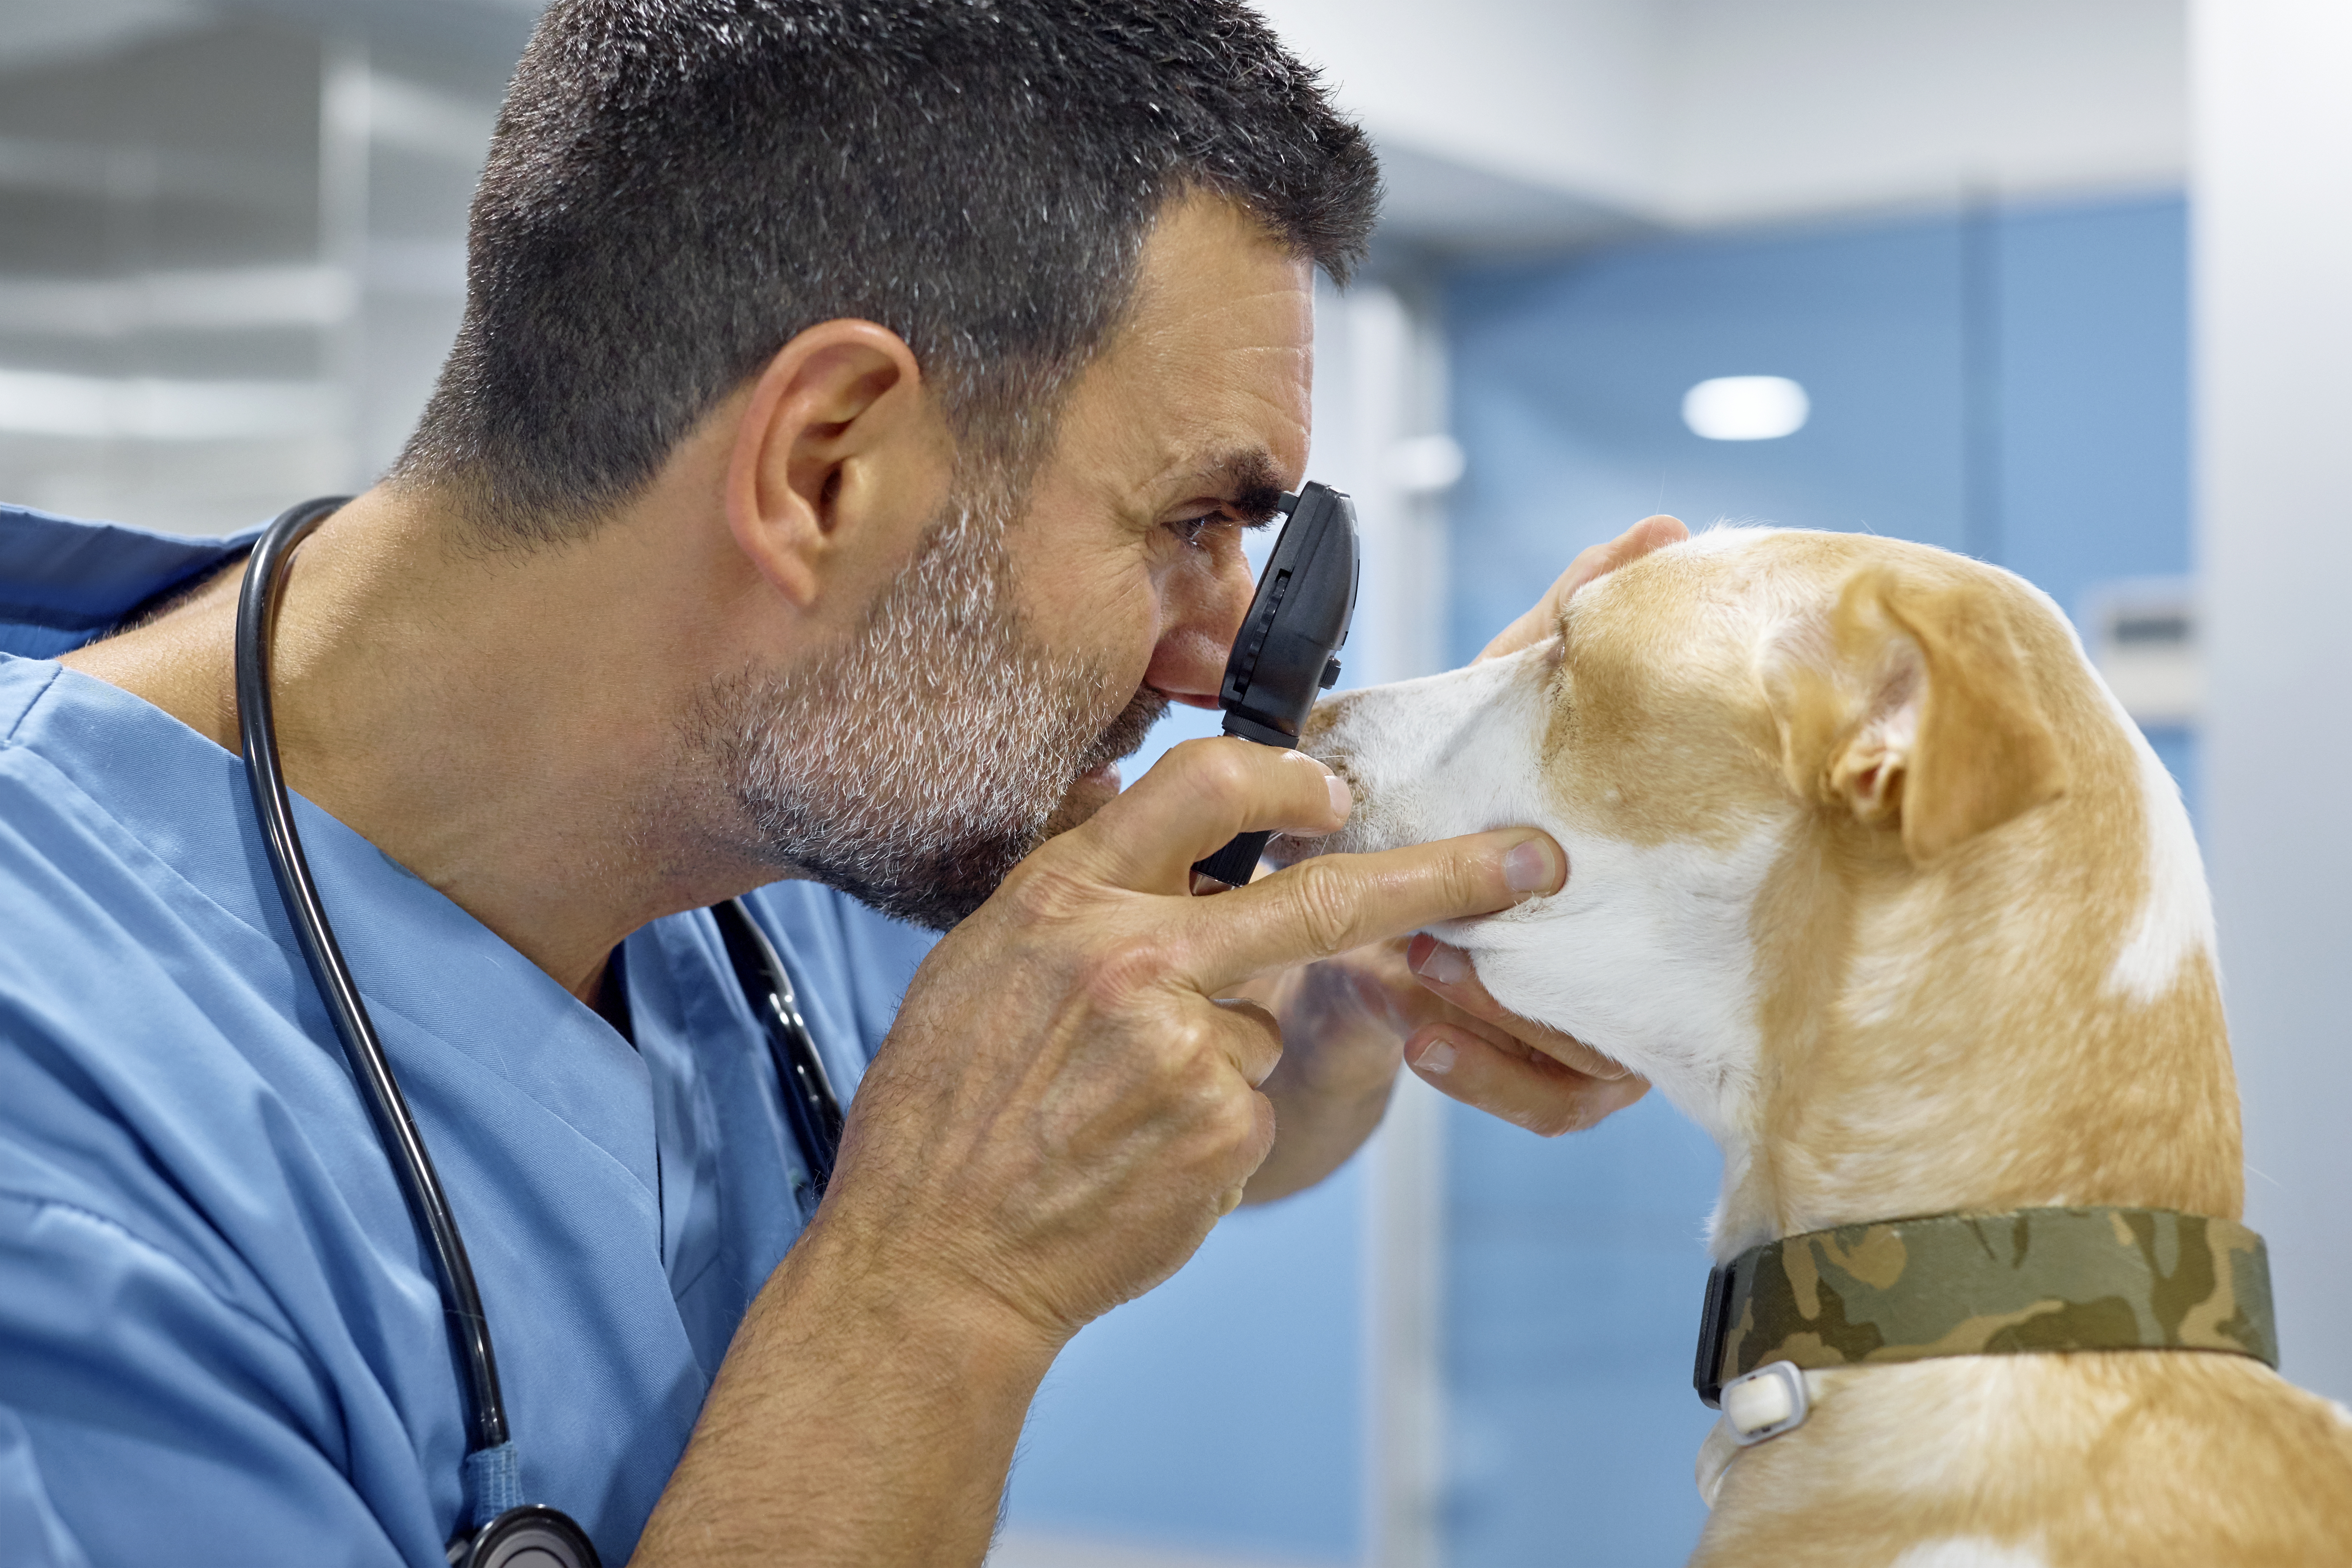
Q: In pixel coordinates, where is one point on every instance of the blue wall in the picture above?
(2093, 395)
(1223, 1412)
(2010, 382)
(1573, 1268)
(2069, 466)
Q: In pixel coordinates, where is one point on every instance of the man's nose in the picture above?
(1205, 610)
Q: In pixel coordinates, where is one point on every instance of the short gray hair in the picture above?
(678, 187)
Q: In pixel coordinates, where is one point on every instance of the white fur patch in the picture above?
(1715, 1456)
(1645, 954)
(1724, 538)
(2176, 919)
(1969, 1552)
(2176, 913)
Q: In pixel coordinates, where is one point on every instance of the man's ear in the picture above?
(1915, 713)
(839, 448)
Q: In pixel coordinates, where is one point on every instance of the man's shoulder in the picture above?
(64, 580)
(62, 853)
(106, 803)
(140, 1018)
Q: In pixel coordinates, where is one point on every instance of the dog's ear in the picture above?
(1914, 712)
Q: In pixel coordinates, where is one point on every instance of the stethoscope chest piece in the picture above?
(531, 1536)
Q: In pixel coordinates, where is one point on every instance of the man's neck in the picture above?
(502, 723)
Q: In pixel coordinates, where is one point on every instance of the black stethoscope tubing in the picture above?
(257, 616)
(810, 1103)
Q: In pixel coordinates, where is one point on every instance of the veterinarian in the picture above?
(843, 462)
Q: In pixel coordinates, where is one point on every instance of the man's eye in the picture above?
(1191, 530)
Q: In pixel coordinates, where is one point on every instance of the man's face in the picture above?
(1034, 641)
(1182, 434)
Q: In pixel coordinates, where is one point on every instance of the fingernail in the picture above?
(1529, 868)
(1343, 799)
(1443, 964)
(1437, 1058)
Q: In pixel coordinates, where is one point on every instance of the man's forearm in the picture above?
(858, 1419)
(1338, 1067)
(1315, 1131)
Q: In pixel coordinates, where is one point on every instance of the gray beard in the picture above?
(916, 767)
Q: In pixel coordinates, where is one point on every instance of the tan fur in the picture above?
(1963, 852)
(2124, 1457)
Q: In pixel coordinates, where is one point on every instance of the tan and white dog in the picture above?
(1874, 878)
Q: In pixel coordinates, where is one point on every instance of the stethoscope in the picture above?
(505, 1530)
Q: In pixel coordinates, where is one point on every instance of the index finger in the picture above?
(1327, 905)
(1650, 534)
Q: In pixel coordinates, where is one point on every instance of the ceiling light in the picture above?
(1746, 408)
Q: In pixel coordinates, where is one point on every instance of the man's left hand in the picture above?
(1345, 1023)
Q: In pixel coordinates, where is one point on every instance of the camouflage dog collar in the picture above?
(2001, 1284)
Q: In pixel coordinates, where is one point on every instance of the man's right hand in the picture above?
(1064, 1107)
(1061, 1113)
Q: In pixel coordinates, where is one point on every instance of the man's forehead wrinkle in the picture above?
(1175, 309)
(1192, 309)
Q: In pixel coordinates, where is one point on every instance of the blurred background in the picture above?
(2058, 283)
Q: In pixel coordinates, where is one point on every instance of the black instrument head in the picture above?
(1305, 598)
(531, 1536)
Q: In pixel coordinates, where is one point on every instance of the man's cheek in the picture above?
(1232, 586)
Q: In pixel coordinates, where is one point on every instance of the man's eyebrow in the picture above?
(1245, 479)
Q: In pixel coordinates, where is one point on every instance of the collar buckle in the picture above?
(1714, 1325)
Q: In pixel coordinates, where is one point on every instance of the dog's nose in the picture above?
(1285, 850)
(1321, 721)
(1282, 850)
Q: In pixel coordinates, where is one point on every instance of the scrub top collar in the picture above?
(420, 956)
(64, 581)
(622, 1204)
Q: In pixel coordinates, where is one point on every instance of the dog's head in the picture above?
(1809, 785)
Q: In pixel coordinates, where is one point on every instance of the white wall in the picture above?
(1380, 398)
(1779, 106)
(154, 369)
(1559, 93)
(2273, 217)
(1697, 112)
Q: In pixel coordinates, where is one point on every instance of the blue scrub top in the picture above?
(221, 1340)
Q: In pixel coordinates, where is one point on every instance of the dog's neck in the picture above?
(2036, 1023)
